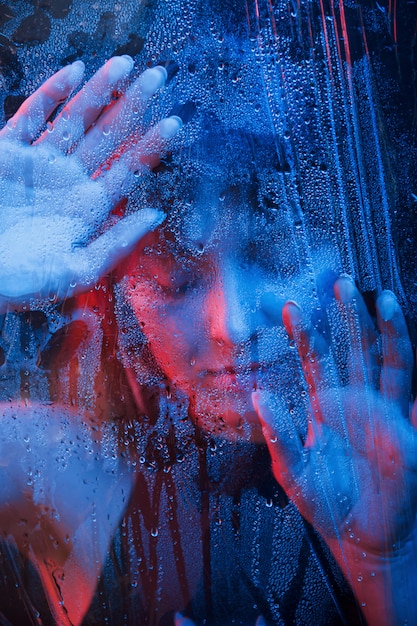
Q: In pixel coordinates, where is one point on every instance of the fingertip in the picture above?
(292, 316)
(79, 65)
(152, 216)
(163, 71)
(259, 402)
(345, 289)
(77, 72)
(118, 68)
(152, 80)
(141, 222)
(72, 75)
(387, 305)
(256, 400)
(129, 59)
(170, 126)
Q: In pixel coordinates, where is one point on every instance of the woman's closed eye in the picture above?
(180, 285)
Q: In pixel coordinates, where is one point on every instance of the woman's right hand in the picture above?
(59, 180)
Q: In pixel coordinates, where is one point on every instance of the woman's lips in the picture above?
(235, 370)
(228, 369)
(232, 377)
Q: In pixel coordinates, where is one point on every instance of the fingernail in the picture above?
(259, 405)
(163, 71)
(387, 305)
(77, 70)
(170, 126)
(119, 67)
(292, 315)
(345, 289)
(78, 64)
(128, 58)
(152, 80)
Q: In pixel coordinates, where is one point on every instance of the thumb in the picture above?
(103, 254)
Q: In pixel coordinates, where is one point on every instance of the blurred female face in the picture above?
(209, 298)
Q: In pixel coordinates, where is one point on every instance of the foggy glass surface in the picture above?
(295, 164)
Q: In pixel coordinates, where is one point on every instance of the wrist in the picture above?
(384, 584)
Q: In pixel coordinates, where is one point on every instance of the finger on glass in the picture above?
(82, 111)
(122, 173)
(121, 121)
(31, 117)
(397, 356)
(363, 357)
(310, 347)
(102, 255)
(283, 440)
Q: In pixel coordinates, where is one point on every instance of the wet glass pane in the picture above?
(205, 373)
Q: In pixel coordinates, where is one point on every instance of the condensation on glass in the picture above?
(295, 165)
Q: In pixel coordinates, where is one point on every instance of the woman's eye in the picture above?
(179, 288)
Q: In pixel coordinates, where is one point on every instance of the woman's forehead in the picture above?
(213, 224)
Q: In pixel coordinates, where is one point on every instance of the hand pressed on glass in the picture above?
(354, 478)
(59, 180)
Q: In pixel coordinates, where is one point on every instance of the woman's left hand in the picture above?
(354, 477)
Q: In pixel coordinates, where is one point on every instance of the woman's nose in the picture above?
(226, 316)
(235, 311)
